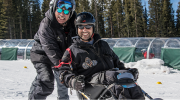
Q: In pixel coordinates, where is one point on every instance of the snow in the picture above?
(15, 80)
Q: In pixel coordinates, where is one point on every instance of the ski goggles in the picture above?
(59, 10)
(65, 4)
(86, 26)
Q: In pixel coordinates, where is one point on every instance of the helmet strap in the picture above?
(91, 37)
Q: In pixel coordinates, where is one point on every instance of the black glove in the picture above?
(77, 82)
(135, 73)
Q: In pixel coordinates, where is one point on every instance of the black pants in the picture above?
(110, 77)
(120, 92)
(43, 84)
(128, 93)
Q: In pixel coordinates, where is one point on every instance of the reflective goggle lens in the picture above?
(86, 26)
(66, 4)
(59, 10)
(66, 12)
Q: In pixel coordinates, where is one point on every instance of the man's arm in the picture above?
(120, 65)
(117, 63)
(49, 44)
(67, 72)
(66, 69)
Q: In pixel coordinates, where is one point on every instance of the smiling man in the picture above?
(51, 40)
(85, 26)
(90, 56)
(85, 33)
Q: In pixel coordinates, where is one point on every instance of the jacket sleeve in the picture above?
(117, 62)
(67, 69)
(49, 43)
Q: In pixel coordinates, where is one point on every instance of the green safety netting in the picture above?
(126, 54)
(171, 57)
(9, 53)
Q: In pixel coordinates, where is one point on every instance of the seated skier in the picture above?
(90, 56)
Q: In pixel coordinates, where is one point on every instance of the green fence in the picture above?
(126, 54)
(171, 57)
(9, 53)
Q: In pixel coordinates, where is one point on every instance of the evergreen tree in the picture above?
(167, 19)
(136, 14)
(128, 19)
(45, 7)
(25, 16)
(12, 16)
(108, 15)
(83, 6)
(178, 21)
(3, 19)
(155, 9)
(118, 18)
(36, 16)
(94, 10)
(77, 6)
(101, 18)
(145, 22)
(97, 9)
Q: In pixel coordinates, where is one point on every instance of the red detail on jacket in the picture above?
(60, 63)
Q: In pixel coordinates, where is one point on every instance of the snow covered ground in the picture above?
(15, 80)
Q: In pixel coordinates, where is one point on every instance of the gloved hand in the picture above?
(77, 82)
(135, 73)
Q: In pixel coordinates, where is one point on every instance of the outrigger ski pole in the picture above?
(84, 95)
(148, 95)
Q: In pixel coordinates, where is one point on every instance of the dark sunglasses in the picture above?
(59, 10)
(86, 26)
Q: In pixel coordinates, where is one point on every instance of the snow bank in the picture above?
(151, 66)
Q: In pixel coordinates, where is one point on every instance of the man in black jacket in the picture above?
(89, 55)
(51, 40)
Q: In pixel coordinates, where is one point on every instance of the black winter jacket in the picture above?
(51, 40)
(88, 59)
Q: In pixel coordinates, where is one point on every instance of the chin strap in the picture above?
(91, 37)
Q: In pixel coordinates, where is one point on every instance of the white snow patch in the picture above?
(15, 80)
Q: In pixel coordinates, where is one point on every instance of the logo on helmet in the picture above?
(84, 21)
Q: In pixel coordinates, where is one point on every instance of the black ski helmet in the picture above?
(53, 4)
(85, 18)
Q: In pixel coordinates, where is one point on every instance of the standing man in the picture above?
(51, 40)
(93, 58)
